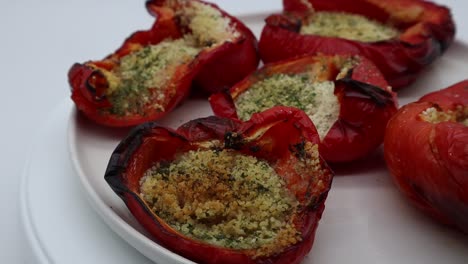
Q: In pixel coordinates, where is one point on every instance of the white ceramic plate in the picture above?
(58, 223)
(366, 220)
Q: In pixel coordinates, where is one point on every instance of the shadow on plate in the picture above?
(84, 124)
(372, 164)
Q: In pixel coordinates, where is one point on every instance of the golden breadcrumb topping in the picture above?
(223, 198)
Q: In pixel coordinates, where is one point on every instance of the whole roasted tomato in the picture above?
(220, 191)
(346, 97)
(426, 150)
(401, 37)
(153, 71)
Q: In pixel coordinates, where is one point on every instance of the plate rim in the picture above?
(29, 228)
(116, 223)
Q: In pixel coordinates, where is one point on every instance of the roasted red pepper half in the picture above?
(153, 71)
(346, 97)
(208, 174)
(426, 150)
(401, 37)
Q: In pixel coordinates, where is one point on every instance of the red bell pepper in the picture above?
(425, 32)
(283, 137)
(366, 103)
(138, 97)
(426, 150)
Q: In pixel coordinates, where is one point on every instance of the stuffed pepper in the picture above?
(401, 37)
(153, 71)
(221, 191)
(345, 96)
(426, 150)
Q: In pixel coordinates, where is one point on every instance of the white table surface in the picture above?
(39, 41)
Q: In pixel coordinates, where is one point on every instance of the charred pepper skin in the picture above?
(366, 103)
(261, 137)
(236, 58)
(426, 31)
(429, 161)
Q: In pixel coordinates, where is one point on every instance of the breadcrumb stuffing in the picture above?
(149, 68)
(223, 198)
(348, 26)
(306, 161)
(208, 25)
(434, 115)
(316, 99)
(142, 76)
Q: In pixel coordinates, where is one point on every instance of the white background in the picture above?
(39, 41)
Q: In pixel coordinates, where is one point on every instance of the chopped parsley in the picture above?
(143, 75)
